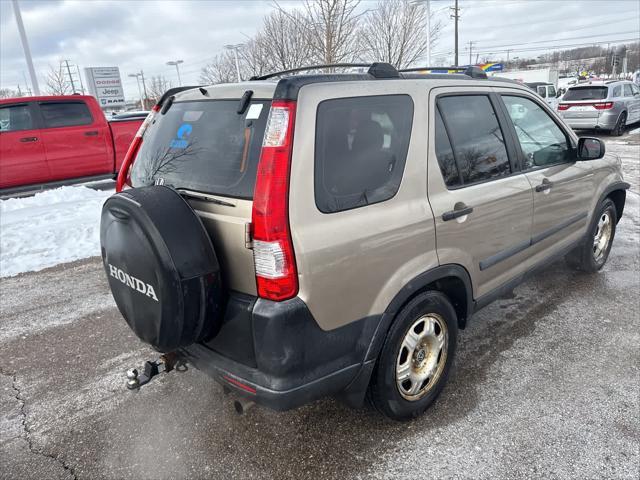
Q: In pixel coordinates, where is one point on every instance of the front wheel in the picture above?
(594, 251)
(415, 360)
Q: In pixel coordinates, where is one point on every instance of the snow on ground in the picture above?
(52, 227)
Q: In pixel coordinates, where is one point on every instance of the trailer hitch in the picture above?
(164, 364)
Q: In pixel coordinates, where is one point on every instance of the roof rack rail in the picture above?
(376, 70)
(471, 71)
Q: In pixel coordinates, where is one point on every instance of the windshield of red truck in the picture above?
(204, 146)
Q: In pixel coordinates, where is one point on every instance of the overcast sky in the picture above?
(136, 35)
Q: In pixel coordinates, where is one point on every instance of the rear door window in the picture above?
(65, 114)
(205, 146)
(476, 137)
(586, 93)
(360, 150)
(627, 90)
(15, 117)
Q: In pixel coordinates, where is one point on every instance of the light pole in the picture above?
(428, 4)
(143, 100)
(25, 47)
(176, 63)
(235, 49)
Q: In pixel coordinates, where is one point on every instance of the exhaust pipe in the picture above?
(242, 406)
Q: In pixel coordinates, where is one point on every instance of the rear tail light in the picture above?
(597, 106)
(276, 275)
(123, 174)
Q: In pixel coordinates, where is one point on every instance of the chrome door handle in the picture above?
(458, 212)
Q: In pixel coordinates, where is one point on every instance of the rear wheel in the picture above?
(620, 124)
(415, 360)
(593, 253)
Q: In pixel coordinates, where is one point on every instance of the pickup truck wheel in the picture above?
(415, 360)
(593, 253)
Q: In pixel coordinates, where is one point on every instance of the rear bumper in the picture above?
(605, 120)
(275, 354)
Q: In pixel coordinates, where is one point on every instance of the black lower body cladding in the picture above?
(161, 267)
(276, 354)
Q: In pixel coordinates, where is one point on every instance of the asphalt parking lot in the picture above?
(546, 384)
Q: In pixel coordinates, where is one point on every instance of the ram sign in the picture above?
(104, 83)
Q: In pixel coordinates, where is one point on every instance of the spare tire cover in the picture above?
(161, 265)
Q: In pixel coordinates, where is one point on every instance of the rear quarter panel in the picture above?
(352, 263)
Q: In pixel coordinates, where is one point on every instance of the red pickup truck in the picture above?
(49, 139)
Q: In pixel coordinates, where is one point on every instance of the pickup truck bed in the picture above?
(52, 139)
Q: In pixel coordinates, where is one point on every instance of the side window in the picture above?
(15, 117)
(634, 89)
(476, 137)
(444, 154)
(543, 142)
(552, 91)
(627, 90)
(360, 150)
(616, 91)
(542, 91)
(65, 114)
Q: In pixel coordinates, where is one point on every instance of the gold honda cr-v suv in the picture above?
(302, 235)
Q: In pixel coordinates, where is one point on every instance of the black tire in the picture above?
(584, 257)
(384, 393)
(618, 130)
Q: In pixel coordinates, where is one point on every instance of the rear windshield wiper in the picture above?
(204, 196)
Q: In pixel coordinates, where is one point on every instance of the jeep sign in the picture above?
(104, 83)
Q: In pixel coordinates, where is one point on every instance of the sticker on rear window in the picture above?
(254, 111)
(182, 136)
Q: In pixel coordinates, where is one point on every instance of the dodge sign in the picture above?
(104, 83)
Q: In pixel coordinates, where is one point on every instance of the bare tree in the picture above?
(396, 32)
(284, 36)
(254, 57)
(221, 70)
(157, 86)
(57, 82)
(9, 93)
(332, 30)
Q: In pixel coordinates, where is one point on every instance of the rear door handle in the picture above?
(460, 210)
(545, 185)
(92, 133)
(29, 139)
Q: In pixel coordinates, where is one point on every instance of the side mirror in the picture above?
(590, 148)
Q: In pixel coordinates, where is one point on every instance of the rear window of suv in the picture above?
(205, 146)
(586, 93)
